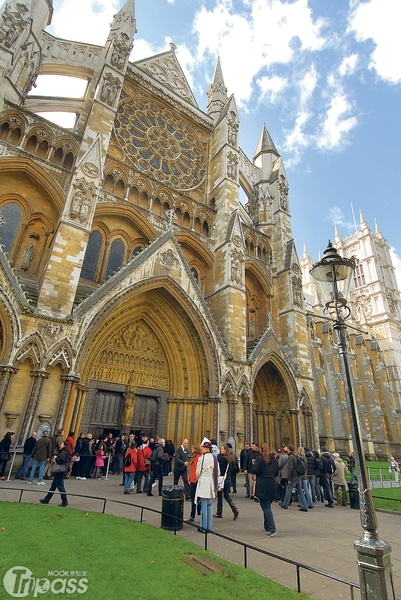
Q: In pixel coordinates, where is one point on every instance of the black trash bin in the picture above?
(353, 494)
(172, 507)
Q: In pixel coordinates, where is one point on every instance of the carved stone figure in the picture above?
(27, 257)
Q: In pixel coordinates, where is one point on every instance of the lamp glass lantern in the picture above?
(333, 277)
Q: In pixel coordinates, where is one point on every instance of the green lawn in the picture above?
(117, 558)
(387, 498)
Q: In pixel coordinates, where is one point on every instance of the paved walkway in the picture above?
(323, 538)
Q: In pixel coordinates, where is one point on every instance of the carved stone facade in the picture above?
(136, 291)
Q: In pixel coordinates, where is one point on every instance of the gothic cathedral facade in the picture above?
(137, 292)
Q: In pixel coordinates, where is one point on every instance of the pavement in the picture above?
(322, 539)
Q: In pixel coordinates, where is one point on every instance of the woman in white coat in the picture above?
(206, 472)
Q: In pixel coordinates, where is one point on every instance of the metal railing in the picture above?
(178, 526)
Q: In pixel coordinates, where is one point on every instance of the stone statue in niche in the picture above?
(109, 89)
(283, 188)
(232, 162)
(80, 205)
(236, 267)
(27, 257)
(297, 291)
(232, 129)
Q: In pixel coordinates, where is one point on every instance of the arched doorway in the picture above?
(146, 363)
(275, 408)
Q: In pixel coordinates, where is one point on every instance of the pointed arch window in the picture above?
(359, 275)
(195, 274)
(92, 254)
(116, 257)
(10, 217)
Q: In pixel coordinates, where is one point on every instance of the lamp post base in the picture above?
(374, 565)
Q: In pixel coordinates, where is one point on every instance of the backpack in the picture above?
(154, 458)
(300, 466)
(127, 461)
(327, 465)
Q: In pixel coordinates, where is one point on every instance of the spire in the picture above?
(377, 230)
(265, 144)
(362, 222)
(122, 31)
(217, 93)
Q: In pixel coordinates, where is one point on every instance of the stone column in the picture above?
(39, 378)
(6, 372)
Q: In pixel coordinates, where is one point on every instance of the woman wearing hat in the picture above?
(206, 472)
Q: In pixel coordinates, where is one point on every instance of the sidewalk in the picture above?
(323, 538)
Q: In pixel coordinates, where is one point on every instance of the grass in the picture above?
(383, 498)
(121, 558)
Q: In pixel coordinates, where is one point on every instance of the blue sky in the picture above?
(323, 75)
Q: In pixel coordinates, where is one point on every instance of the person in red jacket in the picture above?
(130, 465)
(143, 469)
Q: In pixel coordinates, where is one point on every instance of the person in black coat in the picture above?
(265, 467)
(62, 459)
(5, 455)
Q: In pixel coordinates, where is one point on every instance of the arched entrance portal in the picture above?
(145, 366)
(275, 419)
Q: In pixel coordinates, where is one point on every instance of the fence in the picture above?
(299, 567)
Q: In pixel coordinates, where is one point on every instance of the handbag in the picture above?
(56, 467)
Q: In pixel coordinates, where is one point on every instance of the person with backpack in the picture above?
(296, 469)
(327, 467)
(130, 464)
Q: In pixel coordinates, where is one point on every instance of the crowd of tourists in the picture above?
(286, 477)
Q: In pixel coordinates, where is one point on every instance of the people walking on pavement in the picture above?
(61, 459)
(242, 460)
(206, 472)
(265, 469)
(225, 463)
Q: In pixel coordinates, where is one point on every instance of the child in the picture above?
(100, 457)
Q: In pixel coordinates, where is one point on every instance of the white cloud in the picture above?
(297, 140)
(336, 123)
(271, 87)
(336, 217)
(269, 33)
(379, 20)
(93, 24)
(348, 65)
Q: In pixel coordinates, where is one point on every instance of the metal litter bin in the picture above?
(172, 507)
(353, 494)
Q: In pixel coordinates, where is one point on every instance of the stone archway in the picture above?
(275, 418)
(149, 347)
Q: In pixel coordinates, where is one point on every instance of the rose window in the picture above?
(160, 145)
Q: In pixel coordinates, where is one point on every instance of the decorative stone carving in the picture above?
(297, 291)
(159, 144)
(27, 257)
(283, 189)
(90, 170)
(12, 24)
(233, 127)
(232, 166)
(237, 258)
(51, 329)
(82, 201)
(110, 88)
(169, 259)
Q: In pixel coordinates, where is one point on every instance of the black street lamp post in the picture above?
(333, 276)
